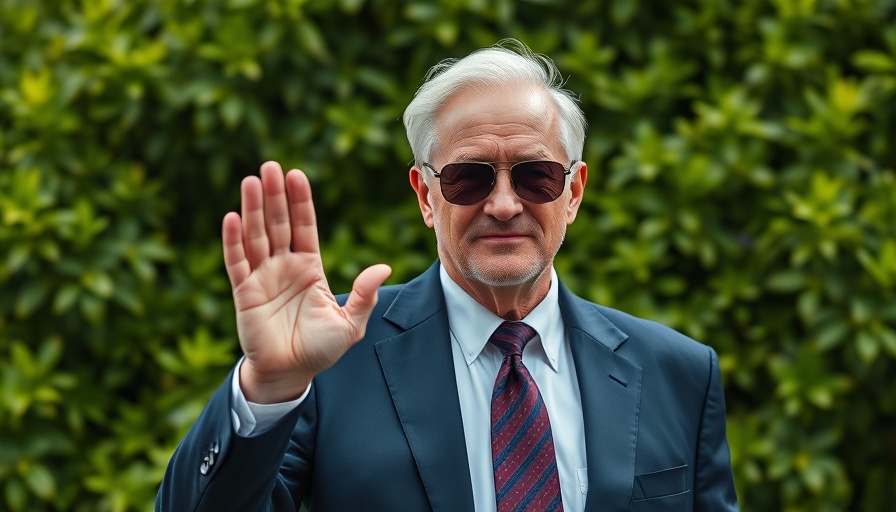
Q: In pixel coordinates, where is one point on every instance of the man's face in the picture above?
(502, 240)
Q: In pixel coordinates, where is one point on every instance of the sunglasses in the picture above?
(536, 181)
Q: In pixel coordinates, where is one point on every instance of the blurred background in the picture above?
(742, 190)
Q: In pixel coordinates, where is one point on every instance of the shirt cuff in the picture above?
(251, 419)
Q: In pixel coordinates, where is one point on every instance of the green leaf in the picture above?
(31, 297)
(231, 111)
(16, 495)
(66, 296)
(867, 346)
(312, 40)
(873, 60)
(831, 335)
(17, 257)
(786, 281)
(40, 481)
(887, 339)
(98, 282)
(623, 10)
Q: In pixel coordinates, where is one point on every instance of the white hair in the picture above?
(508, 62)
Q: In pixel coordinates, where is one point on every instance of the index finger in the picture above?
(301, 213)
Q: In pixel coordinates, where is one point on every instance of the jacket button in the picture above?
(206, 464)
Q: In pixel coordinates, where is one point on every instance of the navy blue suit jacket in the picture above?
(382, 430)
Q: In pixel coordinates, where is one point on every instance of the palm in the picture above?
(289, 324)
(283, 308)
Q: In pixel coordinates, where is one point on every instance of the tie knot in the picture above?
(511, 337)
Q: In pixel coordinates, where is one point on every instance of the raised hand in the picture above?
(289, 324)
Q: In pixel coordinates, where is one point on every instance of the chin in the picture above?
(493, 275)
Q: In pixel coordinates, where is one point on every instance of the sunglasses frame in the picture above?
(566, 172)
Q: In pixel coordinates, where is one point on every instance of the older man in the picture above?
(483, 384)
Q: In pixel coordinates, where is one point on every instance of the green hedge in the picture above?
(742, 191)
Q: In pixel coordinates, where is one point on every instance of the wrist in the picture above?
(271, 389)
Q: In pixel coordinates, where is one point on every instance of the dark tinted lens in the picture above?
(540, 181)
(466, 183)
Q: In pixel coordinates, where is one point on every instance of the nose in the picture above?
(503, 203)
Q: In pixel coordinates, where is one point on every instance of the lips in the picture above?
(502, 237)
(516, 230)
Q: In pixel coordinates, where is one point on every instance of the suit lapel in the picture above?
(610, 387)
(419, 371)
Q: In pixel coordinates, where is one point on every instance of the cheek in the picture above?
(440, 219)
(450, 222)
(555, 223)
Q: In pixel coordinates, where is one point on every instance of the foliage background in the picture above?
(742, 190)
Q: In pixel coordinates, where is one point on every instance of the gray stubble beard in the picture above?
(472, 273)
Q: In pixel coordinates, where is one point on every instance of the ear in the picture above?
(577, 191)
(415, 175)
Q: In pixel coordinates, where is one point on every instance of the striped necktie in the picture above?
(522, 446)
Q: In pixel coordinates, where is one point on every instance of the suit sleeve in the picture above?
(213, 469)
(714, 482)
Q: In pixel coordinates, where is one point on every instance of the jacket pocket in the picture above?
(671, 503)
(661, 483)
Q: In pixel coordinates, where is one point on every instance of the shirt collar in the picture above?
(472, 324)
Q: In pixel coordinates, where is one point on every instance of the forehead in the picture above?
(500, 122)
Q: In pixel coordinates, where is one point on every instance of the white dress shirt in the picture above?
(476, 364)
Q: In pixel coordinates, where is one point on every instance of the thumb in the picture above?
(363, 297)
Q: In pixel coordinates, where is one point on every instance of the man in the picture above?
(483, 384)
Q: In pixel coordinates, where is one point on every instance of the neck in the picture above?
(508, 302)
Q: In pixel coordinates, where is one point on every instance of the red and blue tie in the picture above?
(522, 446)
